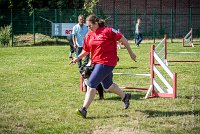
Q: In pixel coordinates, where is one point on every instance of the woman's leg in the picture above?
(89, 97)
(114, 88)
(109, 85)
(140, 38)
(136, 38)
(99, 73)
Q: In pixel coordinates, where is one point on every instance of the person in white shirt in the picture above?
(138, 34)
(78, 33)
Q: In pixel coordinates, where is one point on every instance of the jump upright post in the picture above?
(188, 40)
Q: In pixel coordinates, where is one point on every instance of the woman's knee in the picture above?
(92, 84)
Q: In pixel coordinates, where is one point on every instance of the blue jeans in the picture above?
(71, 44)
(138, 38)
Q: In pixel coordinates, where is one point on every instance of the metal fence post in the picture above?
(55, 13)
(76, 19)
(116, 19)
(11, 23)
(33, 26)
(171, 28)
(154, 40)
(135, 19)
(190, 19)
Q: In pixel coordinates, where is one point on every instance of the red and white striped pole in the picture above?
(151, 69)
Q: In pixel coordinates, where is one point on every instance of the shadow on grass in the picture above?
(108, 116)
(152, 113)
(196, 45)
(43, 43)
(189, 97)
(133, 96)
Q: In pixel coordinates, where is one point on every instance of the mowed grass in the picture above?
(39, 93)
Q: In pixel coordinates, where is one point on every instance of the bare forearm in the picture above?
(83, 54)
(73, 39)
(126, 44)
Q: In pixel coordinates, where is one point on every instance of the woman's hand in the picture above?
(74, 60)
(133, 56)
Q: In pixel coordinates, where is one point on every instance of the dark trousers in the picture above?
(71, 44)
(78, 51)
(138, 38)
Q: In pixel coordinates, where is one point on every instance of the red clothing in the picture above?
(103, 45)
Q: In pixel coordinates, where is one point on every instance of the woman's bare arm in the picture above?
(81, 55)
(126, 44)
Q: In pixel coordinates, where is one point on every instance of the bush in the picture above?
(5, 36)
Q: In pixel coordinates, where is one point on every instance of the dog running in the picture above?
(85, 72)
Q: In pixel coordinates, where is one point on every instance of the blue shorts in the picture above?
(101, 74)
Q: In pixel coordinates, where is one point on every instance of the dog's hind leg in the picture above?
(100, 91)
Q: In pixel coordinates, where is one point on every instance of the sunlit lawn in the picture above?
(39, 93)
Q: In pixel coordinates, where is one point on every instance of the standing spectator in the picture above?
(138, 34)
(101, 41)
(71, 45)
(78, 33)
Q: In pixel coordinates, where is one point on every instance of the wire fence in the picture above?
(155, 23)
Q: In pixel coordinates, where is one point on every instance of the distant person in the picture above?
(78, 33)
(101, 42)
(138, 34)
(71, 45)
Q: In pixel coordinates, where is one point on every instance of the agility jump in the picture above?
(156, 90)
(188, 40)
(163, 51)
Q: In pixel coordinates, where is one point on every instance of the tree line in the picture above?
(39, 4)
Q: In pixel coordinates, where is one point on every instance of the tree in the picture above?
(39, 4)
(90, 6)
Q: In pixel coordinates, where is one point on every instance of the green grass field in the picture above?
(39, 93)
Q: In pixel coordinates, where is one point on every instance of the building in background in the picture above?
(173, 17)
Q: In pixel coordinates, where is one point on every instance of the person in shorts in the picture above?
(101, 42)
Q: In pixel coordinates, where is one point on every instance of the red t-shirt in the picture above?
(103, 45)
